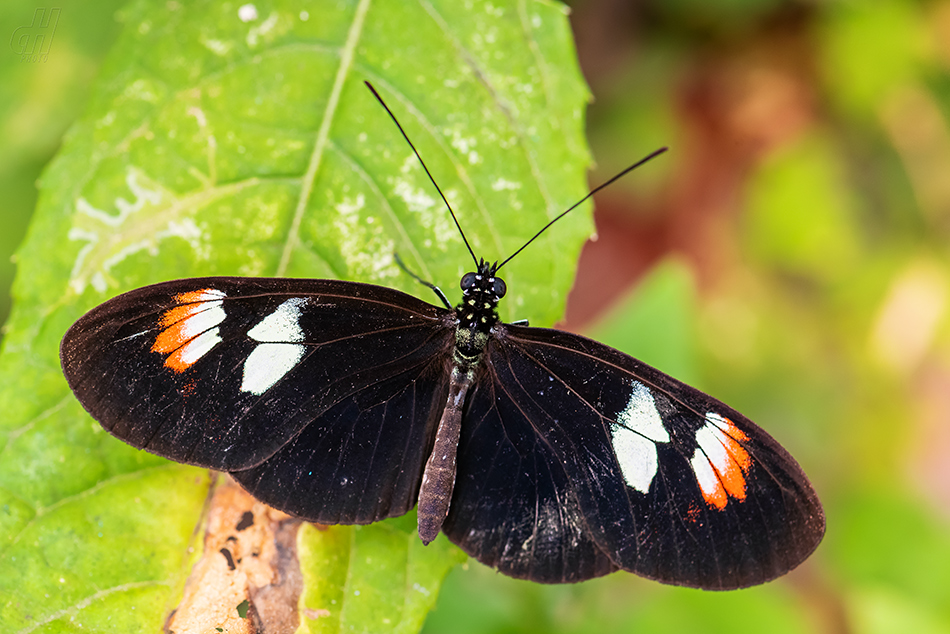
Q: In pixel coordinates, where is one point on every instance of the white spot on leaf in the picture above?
(247, 12)
(265, 27)
(501, 184)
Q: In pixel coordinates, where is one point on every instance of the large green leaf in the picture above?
(227, 140)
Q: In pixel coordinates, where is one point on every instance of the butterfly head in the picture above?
(481, 290)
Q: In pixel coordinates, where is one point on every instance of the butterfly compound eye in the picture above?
(499, 288)
(468, 281)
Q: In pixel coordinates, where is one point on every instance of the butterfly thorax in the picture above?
(477, 313)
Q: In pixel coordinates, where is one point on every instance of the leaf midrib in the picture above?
(323, 134)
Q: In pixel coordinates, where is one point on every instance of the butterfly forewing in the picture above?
(602, 462)
(223, 372)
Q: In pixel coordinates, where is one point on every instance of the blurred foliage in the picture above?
(794, 251)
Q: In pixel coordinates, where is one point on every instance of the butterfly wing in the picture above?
(576, 459)
(240, 374)
(362, 459)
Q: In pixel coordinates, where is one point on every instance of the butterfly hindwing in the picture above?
(641, 470)
(514, 507)
(224, 372)
(361, 460)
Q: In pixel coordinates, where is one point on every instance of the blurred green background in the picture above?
(789, 255)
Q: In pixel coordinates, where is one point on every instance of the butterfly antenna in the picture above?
(428, 173)
(648, 157)
(435, 289)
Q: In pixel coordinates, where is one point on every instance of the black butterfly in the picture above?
(541, 453)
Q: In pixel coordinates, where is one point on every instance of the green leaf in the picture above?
(117, 548)
(226, 140)
(383, 578)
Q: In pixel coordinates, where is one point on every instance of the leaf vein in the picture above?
(346, 63)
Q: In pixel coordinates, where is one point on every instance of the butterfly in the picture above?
(541, 453)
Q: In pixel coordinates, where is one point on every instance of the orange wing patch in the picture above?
(190, 329)
(720, 462)
(202, 295)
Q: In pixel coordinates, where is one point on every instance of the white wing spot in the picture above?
(267, 364)
(199, 346)
(720, 462)
(279, 351)
(189, 329)
(634, 436)
(282, 325)
(705, 476)
(202, 318)
(206, 295)
(708, 439)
